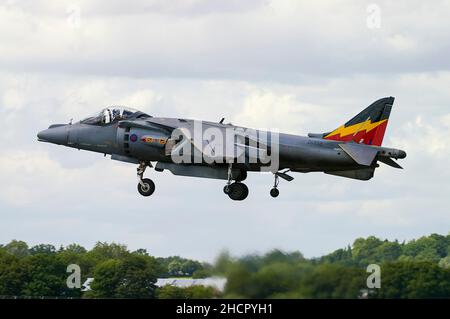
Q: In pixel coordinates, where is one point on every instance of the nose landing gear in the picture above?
(274, 192)
(145, 187)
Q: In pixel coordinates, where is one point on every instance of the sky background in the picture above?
(297, 66)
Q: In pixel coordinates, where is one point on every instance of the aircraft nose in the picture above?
(56, 135)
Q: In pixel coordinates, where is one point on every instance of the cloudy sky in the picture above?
(298, 66)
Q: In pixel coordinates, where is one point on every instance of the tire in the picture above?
(149, 189)
(242, 176)
(238, 191)
(274, 192)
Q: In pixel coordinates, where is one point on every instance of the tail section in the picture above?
(368, 127)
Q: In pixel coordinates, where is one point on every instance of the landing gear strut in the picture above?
(274, 192)
(146, 187)
(237, 190)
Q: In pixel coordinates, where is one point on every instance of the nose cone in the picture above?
(55, 135)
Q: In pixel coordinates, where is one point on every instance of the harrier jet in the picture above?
(224, 151)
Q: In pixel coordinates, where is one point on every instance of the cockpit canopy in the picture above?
(112, 114)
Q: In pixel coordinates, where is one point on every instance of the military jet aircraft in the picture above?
(184, 147)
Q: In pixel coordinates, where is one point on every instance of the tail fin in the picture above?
(367, 127)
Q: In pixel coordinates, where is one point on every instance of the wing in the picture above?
(218, 144)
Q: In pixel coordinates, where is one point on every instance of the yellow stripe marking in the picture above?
(353, 129)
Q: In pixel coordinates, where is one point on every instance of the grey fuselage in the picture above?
(297, 153)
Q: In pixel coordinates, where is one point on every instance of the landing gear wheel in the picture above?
(242, 176)
(226, 189)
(147, 187)
(274, 192)
(238, 191)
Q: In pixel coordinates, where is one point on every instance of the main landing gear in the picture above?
(237, 190)
(146, 187)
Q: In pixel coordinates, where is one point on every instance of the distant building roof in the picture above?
(216, 282)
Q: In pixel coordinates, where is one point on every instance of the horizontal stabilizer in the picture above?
(360, 153)
(389, 161)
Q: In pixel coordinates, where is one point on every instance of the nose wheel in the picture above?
(145, 187)
(274, 192)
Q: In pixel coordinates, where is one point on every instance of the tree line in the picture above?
(415, 269)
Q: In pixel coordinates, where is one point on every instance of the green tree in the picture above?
(141, 252)
(223, 262)
(13, 275)
(174, 268)
(17, 248)
(207, 270)
(188, 267)
(364, 250)
(427, 248)
(131, 277)
(387, 251)
(76, 249)
(107, 277)
(278, 256)
(47, 277)
(239, 283)
(333, 281)
(445, 262)
(104, 251)
(413, 280)
(76, 254)
(339, 256)
(274, 279)
(42, 249)
(277, 279)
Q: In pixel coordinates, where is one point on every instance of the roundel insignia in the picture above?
(133, 137)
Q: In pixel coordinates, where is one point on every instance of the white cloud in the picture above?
(422, 136)
(263, 40)
(269, 110)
